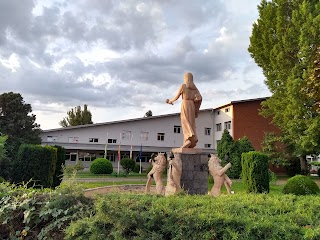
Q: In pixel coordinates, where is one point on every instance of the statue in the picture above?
(174, 176)
(191, 101)
(159, 163)
(219, 175)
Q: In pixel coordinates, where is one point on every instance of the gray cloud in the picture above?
(145, 49)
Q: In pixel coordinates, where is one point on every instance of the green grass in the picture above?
(87, 185)
(87, 174)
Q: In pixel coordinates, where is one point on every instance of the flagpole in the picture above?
(106, 147)
(131, 147)
(140, 155)
(119, 154)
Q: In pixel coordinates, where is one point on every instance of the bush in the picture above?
(255, 172)
(318, 172)
(61, 160)
(300, 185)
(37, 163)
(127, 164)
(272, 176)
(2, 179)
(101, 166)
(136, 168)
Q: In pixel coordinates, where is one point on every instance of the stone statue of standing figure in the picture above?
(191, 101)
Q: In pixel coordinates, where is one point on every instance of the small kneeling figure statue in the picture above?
(219, 175)
(159, 164)
(173, 176)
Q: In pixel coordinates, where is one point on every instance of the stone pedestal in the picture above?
(194, 177)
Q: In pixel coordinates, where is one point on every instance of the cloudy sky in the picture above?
(123, 58)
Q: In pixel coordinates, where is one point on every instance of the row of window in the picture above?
(225, 110)
(126, 135)
(227, 125)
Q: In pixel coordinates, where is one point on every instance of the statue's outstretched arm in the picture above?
(177, 96)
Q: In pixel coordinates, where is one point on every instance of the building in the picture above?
(159, 133)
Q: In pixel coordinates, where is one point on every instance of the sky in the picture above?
(123, 58)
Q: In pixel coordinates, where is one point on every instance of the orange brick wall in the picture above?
(248, 122)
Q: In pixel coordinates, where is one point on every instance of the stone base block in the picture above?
(194, 177)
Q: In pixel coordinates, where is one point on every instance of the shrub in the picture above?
(2, 179)
(37, 163)
(61, 160)
(272, 176)
(127, 164)
(318, 172)
(101, 166)
(136, 168)
(255, 172)
(300, 185)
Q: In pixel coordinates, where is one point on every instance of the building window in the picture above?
(111, 140)
(73, 139)
(227, 125)
(207, 145)
(144, 136)
(207, 131)
(218, 112)
(126, 134)
(218, 127)
(52, 138)
(160, 136)
(227, 110)
(93, 140)
(177, 129)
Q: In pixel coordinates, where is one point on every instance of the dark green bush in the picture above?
(300, 185)
(127, 164)
(101, 166)
(2, 179)
(61, 160)
(136, 168)
(240, 216)
(255, 172)
(318, 172)
(37, 163)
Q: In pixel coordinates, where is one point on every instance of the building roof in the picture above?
(152, 117)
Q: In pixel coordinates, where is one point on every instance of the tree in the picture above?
(148, 114)
(77, 117)
(284, 44)
(17, 123)
(3, 139)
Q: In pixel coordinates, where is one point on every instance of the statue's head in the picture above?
(214, 162)
(161, 158)
(188, 80)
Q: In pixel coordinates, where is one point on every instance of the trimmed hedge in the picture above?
(255, 172)
(61, 160)
(101, 166)
(300, 185)
(250, 217)
(36, 163)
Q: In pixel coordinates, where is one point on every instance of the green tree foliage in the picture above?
(127, 164)
(17, 122)
(284, 43)
(35, 163)
(230, 151)
(77, 117)
(148, 114)
(3, 140)
(255, 172)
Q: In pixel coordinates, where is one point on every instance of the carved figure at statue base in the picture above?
(174, 176)
(219, 175)
(159, 163)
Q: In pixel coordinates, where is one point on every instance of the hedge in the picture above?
(61, 160)
(250, 217)
(36, 163)
(255, 172)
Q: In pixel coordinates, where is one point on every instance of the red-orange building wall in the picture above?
(248, 122)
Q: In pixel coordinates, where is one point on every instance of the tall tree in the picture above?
(283, 43)
(77, 117)
(17, 122)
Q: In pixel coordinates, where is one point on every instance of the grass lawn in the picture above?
(87, 174)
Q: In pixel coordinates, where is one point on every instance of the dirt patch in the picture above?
(130, 188)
